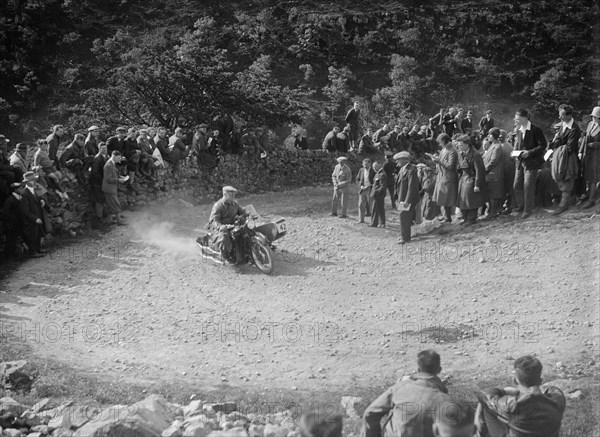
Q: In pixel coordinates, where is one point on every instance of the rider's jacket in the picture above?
(224, 213)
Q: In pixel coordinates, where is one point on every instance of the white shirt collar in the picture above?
(568, 125)
(31, 190)
(526, 127)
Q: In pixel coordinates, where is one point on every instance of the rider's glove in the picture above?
(223, 228)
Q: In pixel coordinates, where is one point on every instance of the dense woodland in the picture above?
(273, 63)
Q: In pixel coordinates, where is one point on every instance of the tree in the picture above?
(337, 91)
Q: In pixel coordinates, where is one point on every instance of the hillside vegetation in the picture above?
(269, 62)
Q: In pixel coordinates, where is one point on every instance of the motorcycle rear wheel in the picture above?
(263, 257)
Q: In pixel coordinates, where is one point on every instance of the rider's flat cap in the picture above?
(229, 189)
(402, 155)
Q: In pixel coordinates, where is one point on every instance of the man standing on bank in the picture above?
(364, 180)
(407, 194)
(390, 172)
(531, 142)
(378, 196)
(341, 178)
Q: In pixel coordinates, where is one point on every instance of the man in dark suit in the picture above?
(407, 194)
(565, 167)
(378, 196)
(390, 170)
(33, 216)
(531, 145)
(486, 123)
(364, 180)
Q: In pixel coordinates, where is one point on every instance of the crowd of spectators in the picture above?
(484, 172)
(106, 165)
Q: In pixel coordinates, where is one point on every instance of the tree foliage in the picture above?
(124, 61)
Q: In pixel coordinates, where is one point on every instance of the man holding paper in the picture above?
(530, 146)
(407, 191)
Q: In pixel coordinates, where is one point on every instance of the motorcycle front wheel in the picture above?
(262, 256)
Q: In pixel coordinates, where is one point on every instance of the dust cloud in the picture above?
(150, 230)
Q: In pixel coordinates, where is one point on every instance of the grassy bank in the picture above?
(59, 381)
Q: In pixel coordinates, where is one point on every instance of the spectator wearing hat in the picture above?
(531, 143)
(90, 145)
(12, 219)
(378, 196)
(54, 140)
(565, 168)
(330, 141)
(390, 169)
(341, 178)
(97, 195)
(225, 212)
(445, 193)
(493, 160)
(412, 404)
(116, 142)
(19, 158)
(53, 176)
(352, 121)
(364, 180)
(471, 185)
(178, 151)
(146, 153)
(110, 185)
(407, 194)
(486, 123)
(529, 409)
(208, 154)
(590, 152)
(33, 216)
(75, 159)
(366, 145)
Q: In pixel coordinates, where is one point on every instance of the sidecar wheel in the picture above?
(263, 257)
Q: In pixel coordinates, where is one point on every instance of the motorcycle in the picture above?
(252, 242)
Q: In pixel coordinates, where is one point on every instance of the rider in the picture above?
(225, 212)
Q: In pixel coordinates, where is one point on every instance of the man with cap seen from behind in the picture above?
(341, 178)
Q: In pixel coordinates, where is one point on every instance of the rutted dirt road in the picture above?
(346, 304)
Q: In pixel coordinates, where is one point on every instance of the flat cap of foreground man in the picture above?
(229, 189)
(414, 402)
(342, 159)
